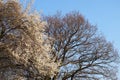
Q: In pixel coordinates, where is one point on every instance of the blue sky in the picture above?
(103, 13)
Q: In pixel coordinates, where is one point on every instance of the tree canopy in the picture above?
(84, 53)
(24, 48)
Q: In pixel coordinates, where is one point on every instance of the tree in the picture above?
(24, 48)
(84, 54)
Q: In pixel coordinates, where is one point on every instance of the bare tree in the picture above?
(84, 54)
(24, 50)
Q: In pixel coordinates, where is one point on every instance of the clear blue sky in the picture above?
(103, 13)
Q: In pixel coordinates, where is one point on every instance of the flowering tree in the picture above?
(24, 48)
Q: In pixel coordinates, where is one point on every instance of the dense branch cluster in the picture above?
(85, 55)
